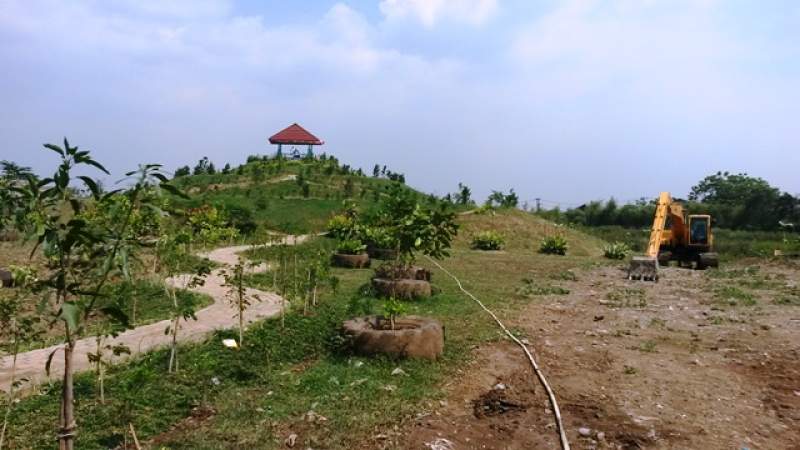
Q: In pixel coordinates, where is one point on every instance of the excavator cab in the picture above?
(699, 230)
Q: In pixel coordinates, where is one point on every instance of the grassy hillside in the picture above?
(292, 196)
(258, 396)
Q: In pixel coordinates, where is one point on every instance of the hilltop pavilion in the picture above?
(295, 135)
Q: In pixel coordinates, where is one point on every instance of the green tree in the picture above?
(82, 257)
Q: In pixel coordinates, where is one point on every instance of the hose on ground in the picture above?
(550, 394)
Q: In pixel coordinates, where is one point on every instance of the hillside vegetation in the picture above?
(291, 196)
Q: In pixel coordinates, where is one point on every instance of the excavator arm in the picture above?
(646, 267)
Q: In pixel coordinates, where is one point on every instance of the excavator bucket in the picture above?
(643, 268)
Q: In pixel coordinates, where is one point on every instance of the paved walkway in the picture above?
(219, 315)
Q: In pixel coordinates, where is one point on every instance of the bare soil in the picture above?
(682, 364)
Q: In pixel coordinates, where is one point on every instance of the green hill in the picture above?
(292, 196)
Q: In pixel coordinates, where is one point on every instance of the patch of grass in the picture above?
(143, 301)
(531, 288)
(733, 296)
(630, 370)
(263, 391)
(565, 275)
(658, 323)
(647, 347)
(627, 298)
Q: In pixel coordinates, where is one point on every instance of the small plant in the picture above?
(566, 275)
(340, 226)
(733, 296)
(380, 237)
(629, 370)
(488, 240)
(647, 347)
(616, 251)
(393, 309)
(351, 247)
(531, 288)
(554, 245)
(627, 298)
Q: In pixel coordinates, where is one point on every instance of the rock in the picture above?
(291, 440)
(599, 317)
(585, 432)
(601, 436)
(499, 387)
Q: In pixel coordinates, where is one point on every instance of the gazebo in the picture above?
(295, 135)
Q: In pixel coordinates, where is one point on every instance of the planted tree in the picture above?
(16, 326)
(82, 257)
(238, 296)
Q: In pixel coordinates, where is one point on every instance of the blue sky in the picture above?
(568, 100)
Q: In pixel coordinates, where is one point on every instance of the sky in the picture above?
(567, 101)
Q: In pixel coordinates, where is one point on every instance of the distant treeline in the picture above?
(735, 201)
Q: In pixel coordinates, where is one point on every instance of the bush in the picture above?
(351, 247)
(488, 240)
(379, 237)
(340, 226)
(553, 245)
(616, 250)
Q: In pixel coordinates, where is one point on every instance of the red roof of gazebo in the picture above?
(294, 134)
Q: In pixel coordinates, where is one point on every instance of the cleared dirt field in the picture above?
(705, 360)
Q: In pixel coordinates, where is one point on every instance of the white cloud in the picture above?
(429, 12)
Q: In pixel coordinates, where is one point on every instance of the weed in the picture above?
(647, 347)
(627, 298)
(616, 250)
(658, 323)
(733, 296)
(565, 275)
(531, 288)
(488, 240)
(554, 245)
(629, 370)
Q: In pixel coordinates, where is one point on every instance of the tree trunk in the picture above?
(66, 434)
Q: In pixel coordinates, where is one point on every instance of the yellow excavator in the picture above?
(675, 236)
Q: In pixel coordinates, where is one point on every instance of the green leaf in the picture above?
(55, 148)
(94, 163)
(69, 314)
(90, 183)
(116, 313)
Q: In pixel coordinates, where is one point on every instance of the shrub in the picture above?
(340, 226)
(616, 250)
(553, 245)
(351, 247)
(379, 237)
(488, 240)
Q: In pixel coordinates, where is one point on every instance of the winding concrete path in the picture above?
(219, 315)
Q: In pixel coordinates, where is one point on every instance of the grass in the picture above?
(151, 305)
(733, 296)
(729, 244)
(627, 298)
(276, 199)
(261, 393)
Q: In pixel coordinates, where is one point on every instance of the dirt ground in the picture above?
(705, 360)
